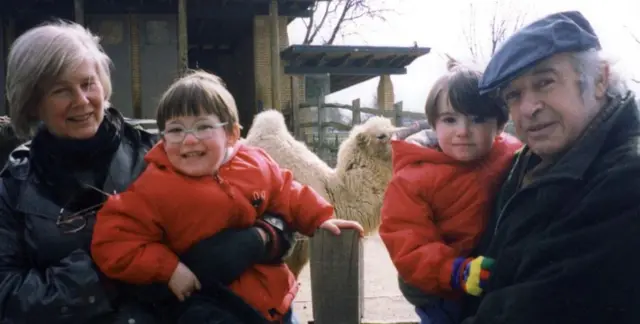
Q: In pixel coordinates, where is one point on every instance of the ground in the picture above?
(383, 302)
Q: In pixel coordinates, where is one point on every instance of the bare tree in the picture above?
(334, 18)
(487, 29)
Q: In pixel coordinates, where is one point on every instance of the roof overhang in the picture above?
(229, 8)
(203, 9)
(349, 65)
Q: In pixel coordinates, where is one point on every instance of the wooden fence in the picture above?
(323, 126)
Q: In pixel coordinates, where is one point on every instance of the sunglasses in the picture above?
(72, 219)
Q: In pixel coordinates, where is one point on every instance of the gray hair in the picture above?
(39, 57)
(588, 65)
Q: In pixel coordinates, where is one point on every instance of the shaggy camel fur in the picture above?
(355, 187)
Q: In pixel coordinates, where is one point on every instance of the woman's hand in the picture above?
(183, 282)
(334, 225)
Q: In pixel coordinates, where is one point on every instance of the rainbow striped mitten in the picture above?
(471, 274)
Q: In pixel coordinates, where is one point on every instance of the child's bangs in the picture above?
(465, 97)
(189, 100)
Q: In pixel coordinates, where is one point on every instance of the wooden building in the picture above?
(243, 41)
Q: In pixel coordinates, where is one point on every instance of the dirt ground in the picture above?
(383, 301)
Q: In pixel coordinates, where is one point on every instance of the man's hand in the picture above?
(334, 225)
(183, 282)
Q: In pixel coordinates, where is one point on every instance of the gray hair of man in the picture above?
(588, 65)
(38, 58)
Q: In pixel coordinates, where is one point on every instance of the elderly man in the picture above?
(565, 233)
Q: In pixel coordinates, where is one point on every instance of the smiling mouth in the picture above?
(192, 154)
(537, 128)
(80, 118)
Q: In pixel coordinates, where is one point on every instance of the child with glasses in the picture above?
(199, 181)
(439, 198)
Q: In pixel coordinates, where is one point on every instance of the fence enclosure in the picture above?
(323, 126)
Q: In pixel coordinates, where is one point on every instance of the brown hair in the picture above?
(198, 93)
(460, 85)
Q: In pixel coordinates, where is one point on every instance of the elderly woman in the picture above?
(82, 150)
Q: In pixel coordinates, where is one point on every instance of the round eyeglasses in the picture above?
(177, 134)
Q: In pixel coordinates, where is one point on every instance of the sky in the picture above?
(440, 25)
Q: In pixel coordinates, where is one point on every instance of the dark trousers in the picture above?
(205, 310)
(441, 312)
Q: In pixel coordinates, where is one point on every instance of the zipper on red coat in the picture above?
(223, 185)
(218, 179)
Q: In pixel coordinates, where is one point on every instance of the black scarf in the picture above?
(55, 160)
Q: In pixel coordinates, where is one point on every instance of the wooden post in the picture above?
(355, 105)
(183, 40)
(136, 79)
(8, 36)
(397, 108)
(3, 77)
(9, 33)
(337, 270)
(78, 11)
(275, 56)
(321, 119)
(295, 106)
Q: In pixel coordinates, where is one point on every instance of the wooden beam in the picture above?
(78, 11)
(320, 59)
(341, 61)
(295, 105)
(397, 109)
(136, 78)
(8, 37)
(385, 61)
(364, 61)
(183, 41)
(276, 103)
(356, 115)
(337, 270)
(3, 57)
(234, 11)
(130, 6)
(343, 70)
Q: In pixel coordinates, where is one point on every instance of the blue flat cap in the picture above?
(560, 32)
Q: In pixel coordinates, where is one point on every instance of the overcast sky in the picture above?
(440, 24)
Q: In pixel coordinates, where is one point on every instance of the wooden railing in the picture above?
(323, 126)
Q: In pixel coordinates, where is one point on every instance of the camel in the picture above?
(355, 186)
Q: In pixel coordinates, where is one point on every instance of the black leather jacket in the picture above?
(47, 276)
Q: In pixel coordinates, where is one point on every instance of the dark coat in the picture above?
(566, 244)
(47, 276)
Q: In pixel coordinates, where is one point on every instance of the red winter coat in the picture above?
(435, 209)
(140, 232)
